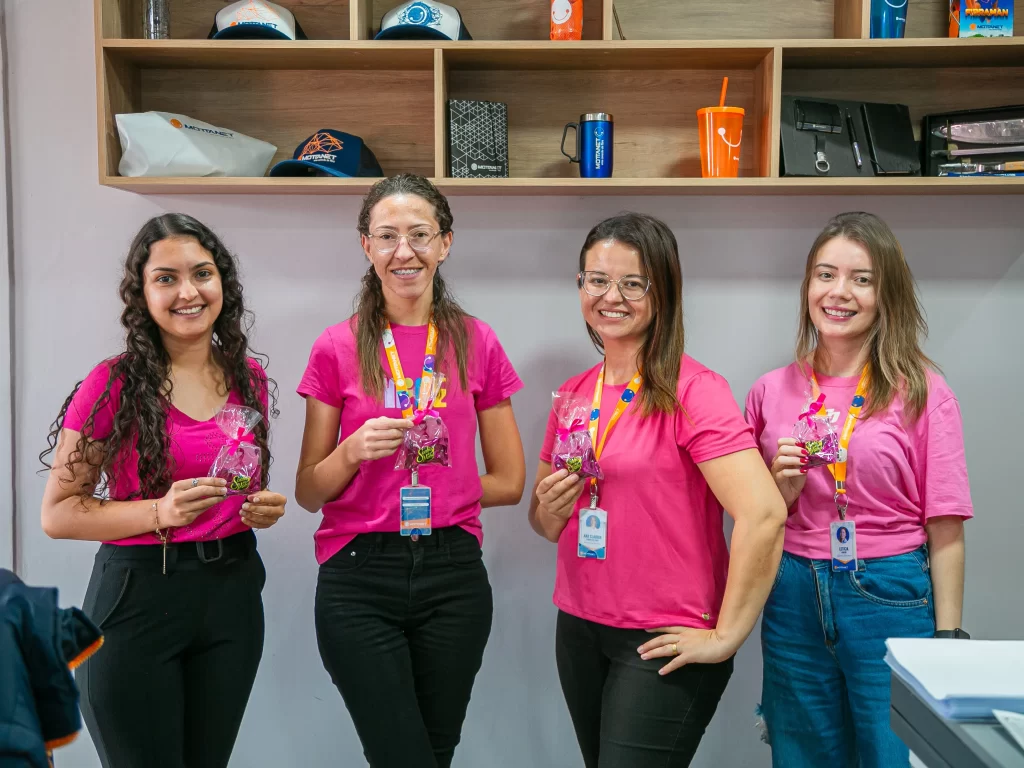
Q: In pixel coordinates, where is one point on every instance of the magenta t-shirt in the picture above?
(899, 475)
(667, 557)
(369, 503)
(194, 446)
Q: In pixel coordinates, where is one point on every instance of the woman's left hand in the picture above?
(263, 509)
(687, 645)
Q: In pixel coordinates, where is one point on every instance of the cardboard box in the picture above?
(981, 18)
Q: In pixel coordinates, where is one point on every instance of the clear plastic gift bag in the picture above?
(238, 462)
(573, 449)
(814, 430)
(427, 442)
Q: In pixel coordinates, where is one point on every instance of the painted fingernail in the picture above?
(804, 452)
(804, 460)
(803, 470)
(245, 507)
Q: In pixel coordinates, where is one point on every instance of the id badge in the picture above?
(415, 508)
(844, 545)
(593, 538)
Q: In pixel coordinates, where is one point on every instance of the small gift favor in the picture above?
(815, 431)
(427, 442)
(238, 462)
(573, 449)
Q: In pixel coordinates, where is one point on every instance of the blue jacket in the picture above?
(40, 643)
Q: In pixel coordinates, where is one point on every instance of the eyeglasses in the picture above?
(631, 287)
(387, 242)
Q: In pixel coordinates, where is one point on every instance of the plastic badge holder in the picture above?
(239, 463)
(427, 442)
(815, 431)
(573, 449)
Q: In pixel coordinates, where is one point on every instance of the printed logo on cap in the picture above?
(256, 19)
(321, 148)
(421, 15)
(423, 20)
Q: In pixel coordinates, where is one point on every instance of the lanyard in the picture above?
(595, 418)
(403, 386)
(838, 469)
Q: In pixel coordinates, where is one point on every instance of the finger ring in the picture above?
(675, 650)
(195, 481)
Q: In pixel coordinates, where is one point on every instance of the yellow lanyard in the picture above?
(403, 386)
(595, 418)
(838, 469)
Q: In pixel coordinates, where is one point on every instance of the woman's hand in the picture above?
(186, 500)
(557, 494)
(263, 509)
(687, 645)
(376, 439)
(789, 469)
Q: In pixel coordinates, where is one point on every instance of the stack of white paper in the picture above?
(962, 679)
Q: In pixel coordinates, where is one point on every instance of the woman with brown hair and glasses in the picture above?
(402, 620)
(875, 537)
(653, 583)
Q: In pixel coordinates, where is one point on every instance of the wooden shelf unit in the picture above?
(393, 93)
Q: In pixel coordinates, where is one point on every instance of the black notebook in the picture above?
(891, 139)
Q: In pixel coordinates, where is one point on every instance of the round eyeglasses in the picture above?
(387, 242)
(631, 287)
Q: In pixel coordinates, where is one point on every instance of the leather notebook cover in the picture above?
(891, 139)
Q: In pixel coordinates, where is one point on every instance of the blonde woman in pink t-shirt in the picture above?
(874, 542)
(177, 586)
(651, 607)
(403, 603)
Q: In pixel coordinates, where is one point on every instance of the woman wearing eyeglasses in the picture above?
(402, 620)
(651, 608)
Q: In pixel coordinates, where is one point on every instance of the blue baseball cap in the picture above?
(330, 153)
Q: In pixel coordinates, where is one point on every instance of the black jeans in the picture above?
(401, 626)
(625, 714)
(180, 652)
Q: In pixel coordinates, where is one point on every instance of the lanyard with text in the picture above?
(838, 469)
(595, 417)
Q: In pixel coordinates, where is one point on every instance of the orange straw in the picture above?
(725, 86)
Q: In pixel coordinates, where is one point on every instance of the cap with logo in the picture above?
(255, 20)
(330, 153)
(423, 20)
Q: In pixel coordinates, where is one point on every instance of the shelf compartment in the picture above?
(726, 19)
(907, 53)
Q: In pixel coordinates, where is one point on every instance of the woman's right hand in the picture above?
(789, 469)
(376, 439)
(186, 500)
(558, 492)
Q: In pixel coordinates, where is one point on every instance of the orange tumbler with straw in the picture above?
(721, 133)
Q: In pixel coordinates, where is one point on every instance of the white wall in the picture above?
(513, 262)
(6, 257)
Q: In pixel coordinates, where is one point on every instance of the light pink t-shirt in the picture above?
(667, 557)
(369, 503)
(194, 446)
(899, 476)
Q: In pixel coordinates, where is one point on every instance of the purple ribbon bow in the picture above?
(813, 409)
(564, 432)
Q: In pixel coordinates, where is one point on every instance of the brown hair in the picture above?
(370, 316)
(895, 361)
(662, 350)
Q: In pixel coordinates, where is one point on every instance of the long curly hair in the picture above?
(140, 419)
(370, 316)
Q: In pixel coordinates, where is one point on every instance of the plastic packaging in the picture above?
(573, 449)
(815, 431)
(427, 442)
(238, 462)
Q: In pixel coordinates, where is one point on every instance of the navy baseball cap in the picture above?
(423, 20)
(330, 153)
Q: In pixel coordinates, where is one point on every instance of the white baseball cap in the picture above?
(255, 20)
(423, 20)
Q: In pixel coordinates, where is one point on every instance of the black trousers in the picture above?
(625, 714)
(401, 627)
(170, 684)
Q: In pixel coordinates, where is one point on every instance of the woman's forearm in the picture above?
(89, 519)
(320, 483)
(946, 553)
(501, 490)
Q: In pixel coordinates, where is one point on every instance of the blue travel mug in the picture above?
(595, 134)
(888, 18)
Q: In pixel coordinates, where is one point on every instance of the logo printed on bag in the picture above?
(175, 123)
(321, 148)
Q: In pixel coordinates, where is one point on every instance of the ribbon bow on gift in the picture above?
(419, 416)
(564, 432)
(236, 441)
(813, 409)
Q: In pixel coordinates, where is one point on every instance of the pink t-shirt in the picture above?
(667, 557)
(369, 503)
(194, 446)
(898, 477)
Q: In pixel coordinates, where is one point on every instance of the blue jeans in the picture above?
(825, 696)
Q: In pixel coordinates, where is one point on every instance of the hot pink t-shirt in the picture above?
(194, 446)
(667, 557)
(369, 503)
(899, 476)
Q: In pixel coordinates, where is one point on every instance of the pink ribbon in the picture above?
(813, 409)
(236, 442)
(564, 432)
(419, 416)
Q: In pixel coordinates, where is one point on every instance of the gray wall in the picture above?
(512, 264)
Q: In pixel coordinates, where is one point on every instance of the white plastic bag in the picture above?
(165, 144)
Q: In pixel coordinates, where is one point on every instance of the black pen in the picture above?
(853, 139)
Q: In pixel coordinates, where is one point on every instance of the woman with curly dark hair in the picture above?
(176, 585)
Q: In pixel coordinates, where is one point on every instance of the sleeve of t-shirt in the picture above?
(752, 410)
(944, 487)
(322, 380)
(711, 425)
(85, 399)
(500, 380)
(549, 438)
